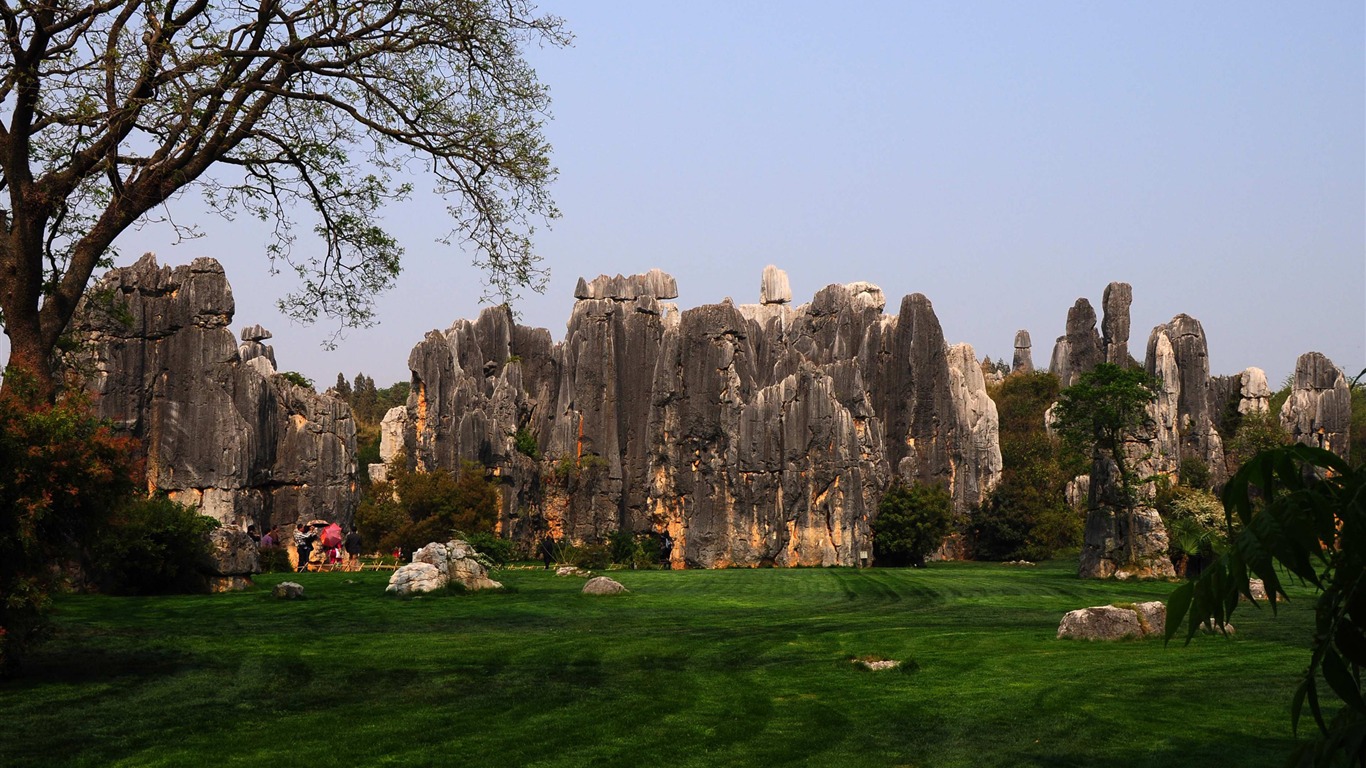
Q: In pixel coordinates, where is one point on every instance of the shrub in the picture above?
(590, 557)
(1194, 473)
(275, 560)
(526, 444)
(498, 550)
(1256, 432)
(413, 509)
(912, 521)
(623, 546)
(151, 546)
(297, 379)
(62, 473)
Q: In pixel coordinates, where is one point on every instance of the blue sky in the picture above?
(1003, 159)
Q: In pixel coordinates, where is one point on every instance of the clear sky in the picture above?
(1003, 159)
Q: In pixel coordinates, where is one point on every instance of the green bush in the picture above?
(275, 560)
(413, 509)
(297, 379)
(590, 557)
(1194, 473)
(912, 521)
(151, 546)
(526, 444)
(498, 550)
(623, 547)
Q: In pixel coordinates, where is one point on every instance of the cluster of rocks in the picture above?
(437, 566)
(750, 434)
(220, 429)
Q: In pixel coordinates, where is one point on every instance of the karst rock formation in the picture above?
(750, 434)
(219, 428)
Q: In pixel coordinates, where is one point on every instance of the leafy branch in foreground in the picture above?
(1302, 509)
(287, 111)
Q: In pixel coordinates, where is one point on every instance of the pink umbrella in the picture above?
(332, 536)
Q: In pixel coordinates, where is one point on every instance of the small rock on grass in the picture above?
(601, 585)
(288, 590)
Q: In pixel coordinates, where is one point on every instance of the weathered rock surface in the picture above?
(601, 585)
(232, 552)
(655, 284)
(1024, 354)
(1078, 350)
(231, 560)
(1115, 305)
(1195, 418)
(455, 561)
(1109, 622)
(416, 577)
(759, 434)
(977, 453)
(1319, 410)
(774, 288)
(219, 429)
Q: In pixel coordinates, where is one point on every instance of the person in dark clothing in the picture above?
(666, 550)
(352, 546)
(547, 551)
(303, 544)
(253, 535)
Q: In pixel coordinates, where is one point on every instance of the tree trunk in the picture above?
(29, 377)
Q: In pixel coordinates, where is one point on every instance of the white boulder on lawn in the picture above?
(436, 565)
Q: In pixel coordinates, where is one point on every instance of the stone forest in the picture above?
(751, 434)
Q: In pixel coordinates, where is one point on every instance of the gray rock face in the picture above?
(749, 435)
(219, 432)
(654, 284)
(1254, 394)
(977, 453)
(1115, 325)
(1319, 410)
(1115, 538)
(1024, 354)
(1195, 417)
(1079, 350)
(232, 553)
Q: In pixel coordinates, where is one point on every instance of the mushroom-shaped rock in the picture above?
(1023, 361)
(601, 585)
(255, 333)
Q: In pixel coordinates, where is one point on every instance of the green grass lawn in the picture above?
(705, 668)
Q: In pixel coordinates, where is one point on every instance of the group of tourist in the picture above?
(318, 544)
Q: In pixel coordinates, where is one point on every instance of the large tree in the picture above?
(111, 108)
